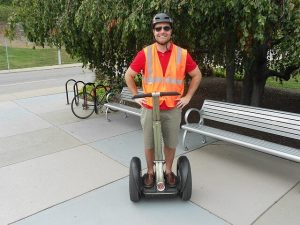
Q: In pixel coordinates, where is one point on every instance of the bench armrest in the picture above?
(113, 97)
(109, 96)
(187, 113)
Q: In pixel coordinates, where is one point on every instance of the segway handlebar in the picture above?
(168, 93)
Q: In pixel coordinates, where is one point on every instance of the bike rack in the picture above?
(66, 88)
(88, 84)
(95, 94)
(75, 88)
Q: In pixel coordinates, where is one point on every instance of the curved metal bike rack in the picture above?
(75, 88)
(95, 94)
(66, 88)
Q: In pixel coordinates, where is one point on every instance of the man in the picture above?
(163, 66)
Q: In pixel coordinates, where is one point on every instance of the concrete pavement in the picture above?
(57, 169)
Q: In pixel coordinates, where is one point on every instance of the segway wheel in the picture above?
(135, 179)
(184, 177)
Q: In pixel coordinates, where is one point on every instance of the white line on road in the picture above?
(28, 82)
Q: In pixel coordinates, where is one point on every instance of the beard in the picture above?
(162, 42)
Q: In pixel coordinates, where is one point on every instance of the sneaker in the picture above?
(170, 179)
(148, 180)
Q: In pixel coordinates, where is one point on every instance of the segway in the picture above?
(183, 186)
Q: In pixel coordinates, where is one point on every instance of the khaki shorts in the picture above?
(170, 125)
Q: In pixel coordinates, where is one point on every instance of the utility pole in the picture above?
(59, 56)
(7, 59)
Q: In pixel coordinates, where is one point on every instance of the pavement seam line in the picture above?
(74, 197)
(274, 203)
(210, 212)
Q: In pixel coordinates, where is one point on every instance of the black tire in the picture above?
(83, 105)
(184, 177)
(135, 179)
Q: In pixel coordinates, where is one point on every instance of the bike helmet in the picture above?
(161, 18)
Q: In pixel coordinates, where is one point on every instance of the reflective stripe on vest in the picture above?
(149, 57)
(151, 80)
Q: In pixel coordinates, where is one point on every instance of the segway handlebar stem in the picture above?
(168, 93)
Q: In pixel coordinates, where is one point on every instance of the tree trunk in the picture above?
(230, 67)
(260, 77)
(259, 82)
(247, 86)
(230, 90)
(257, 93)
(230, 71)
(255, 77)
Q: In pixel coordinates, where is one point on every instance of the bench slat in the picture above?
(265, 118)
(284, 131)
(123, 108)
(256, 118)
(288, 115)
(125, 96)
(271, 123)
(250, 142)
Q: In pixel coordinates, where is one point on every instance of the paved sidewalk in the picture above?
(59, 170)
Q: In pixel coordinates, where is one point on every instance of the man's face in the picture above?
(162, 33)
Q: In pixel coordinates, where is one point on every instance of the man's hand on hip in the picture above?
(183, 102)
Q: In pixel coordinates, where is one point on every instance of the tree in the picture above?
(270, 34)
(252, 37)
(103, 34)
(7, 2)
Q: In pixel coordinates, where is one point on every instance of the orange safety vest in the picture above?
(155, 81)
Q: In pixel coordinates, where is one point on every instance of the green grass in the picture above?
(28, 57)
(292, 83)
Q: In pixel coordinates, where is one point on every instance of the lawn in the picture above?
(292, 83)
(29, 57)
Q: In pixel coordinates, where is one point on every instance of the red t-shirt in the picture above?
(138, 65)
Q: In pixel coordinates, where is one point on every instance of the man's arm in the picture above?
(129, 79)
(196, 78)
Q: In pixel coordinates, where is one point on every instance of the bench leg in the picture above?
(106, 114)
(183, 141)
(203, 139)
(185, 147)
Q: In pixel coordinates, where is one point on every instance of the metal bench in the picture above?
(125, 104)
(283, 124)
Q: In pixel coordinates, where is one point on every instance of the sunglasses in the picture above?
(166, 28)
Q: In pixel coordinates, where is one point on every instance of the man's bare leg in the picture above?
(149, 154)
(169, 158)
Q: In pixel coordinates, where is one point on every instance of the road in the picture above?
(48, 77)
